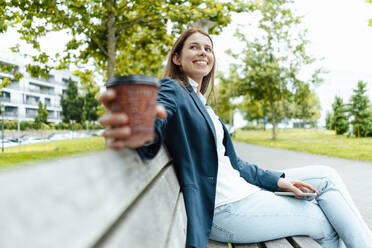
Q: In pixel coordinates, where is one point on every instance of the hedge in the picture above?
(31, 125)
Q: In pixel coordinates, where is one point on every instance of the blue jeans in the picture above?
(330, 218)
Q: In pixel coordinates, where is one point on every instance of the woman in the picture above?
(228, 199)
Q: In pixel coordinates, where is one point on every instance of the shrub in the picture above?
(52, 125)
(10, 125)
(76, 126)
(96, 126)
(252, 127)
(44, 126)
(26, 125)
(62, 126)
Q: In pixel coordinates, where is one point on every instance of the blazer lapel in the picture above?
(203, 111)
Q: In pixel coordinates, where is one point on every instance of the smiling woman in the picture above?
(226, 198)
(191, 56)
(196, 59)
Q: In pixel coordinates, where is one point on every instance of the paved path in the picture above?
(356, 174)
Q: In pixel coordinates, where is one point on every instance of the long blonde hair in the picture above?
(174, 71)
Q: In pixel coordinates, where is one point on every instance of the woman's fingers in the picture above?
(304, 189)
(106, 97)
(287, 185)
(115, 144)
(113, 119)
(161, 112)
(307, 186)
(125, 141)
(297, 191)
(117, 133)
(297, 187)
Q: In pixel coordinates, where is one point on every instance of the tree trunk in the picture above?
(271, 98)
(111, 40)
(273, 120)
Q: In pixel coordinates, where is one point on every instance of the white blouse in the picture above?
(230, 186)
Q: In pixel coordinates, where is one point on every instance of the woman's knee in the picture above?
(325, 171)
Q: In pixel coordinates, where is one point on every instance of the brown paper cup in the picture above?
(136, 96)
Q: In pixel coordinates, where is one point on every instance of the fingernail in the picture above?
(110, 92)
(126, 130)
(123, 117)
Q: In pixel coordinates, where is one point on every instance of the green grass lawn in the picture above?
(313, 141)
(304, 140)
(49, 150)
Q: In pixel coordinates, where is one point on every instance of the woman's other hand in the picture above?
(117, 130)
(297, 187)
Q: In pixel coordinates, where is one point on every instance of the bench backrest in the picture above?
(107, 199)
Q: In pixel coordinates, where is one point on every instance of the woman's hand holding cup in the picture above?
(118, 133)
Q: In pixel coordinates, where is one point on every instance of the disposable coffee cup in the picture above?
(136, 96)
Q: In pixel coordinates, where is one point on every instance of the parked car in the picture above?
(67, 135)
(9, 142)
(59, 136)
(96, 132)
(28, 139)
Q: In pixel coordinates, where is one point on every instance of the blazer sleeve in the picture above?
(167, 96)
(259, 177)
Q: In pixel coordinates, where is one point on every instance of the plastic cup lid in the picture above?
(133, 79)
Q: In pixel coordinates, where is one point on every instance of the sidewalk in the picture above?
(356, 174)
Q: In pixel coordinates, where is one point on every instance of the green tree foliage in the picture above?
(117, 36)
(72, 104)
(329, 121)
(272, 62)
(253, 110)
(359, 104)
(10, 69)
(307, 108)
(42, 115)
(89, 96)
(340, 119)
(225, 108)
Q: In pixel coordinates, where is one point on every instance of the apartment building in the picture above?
(20, 100)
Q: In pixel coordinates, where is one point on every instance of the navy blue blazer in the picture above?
(189, 135)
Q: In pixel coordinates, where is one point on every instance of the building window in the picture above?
(51, 114)
(14, 85)
(31, 113)
(32, 100)
(41, 89)
(65, 80)
(5, 96)
(59, 115)
(11, 111)
(47, 101)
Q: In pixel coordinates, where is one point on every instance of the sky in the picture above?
(337, 29)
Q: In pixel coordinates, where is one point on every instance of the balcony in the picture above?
(10, 114)
(31, 114)
(42, 90)
(31, 102)
(13, 86)
(4, 99)
(51, 80)
(34, 90)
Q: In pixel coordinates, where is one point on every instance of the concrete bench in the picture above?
(107, 199)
